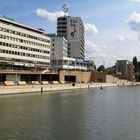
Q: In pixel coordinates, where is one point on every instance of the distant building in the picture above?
(22, 45)
(125, 69)
(72, 29)
(130, 72)
(121, 66)
(51, 35)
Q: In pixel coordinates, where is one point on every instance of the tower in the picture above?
(72, 29)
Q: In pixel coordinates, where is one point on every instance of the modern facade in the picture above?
(121, 66)
(59, 52)
(59, 48)
(72, 29)
(22, 45)
(125, 70)
(60, 59)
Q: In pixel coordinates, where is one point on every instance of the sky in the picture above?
(112, 28)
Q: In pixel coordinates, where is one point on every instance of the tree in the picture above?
(138, 75)
(101, 68)
(135, 63)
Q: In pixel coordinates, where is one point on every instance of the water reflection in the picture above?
(111, 113)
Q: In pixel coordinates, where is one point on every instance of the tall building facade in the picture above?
(58, 47)
(72, 29)
(23, 45)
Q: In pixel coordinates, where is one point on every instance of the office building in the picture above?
(125, 70)
(72, 29)
(22, 45)
(60, 59)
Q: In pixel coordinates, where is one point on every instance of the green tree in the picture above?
(101, 68)
(138, 71)
(135, 63)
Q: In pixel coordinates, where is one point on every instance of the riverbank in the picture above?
(54, 87)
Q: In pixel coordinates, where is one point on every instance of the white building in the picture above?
(23, 45)
(60, 59)
(72, 29)
(59, 52)
(59, 48)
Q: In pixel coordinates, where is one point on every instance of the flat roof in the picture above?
(20, 25)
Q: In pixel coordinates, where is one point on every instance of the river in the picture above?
(94, 114)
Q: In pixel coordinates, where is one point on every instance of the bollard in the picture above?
(41, 89)
(101, 87)
(73, 84)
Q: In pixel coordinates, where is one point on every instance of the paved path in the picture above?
(53, 87)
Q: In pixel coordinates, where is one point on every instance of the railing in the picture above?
(26, 71)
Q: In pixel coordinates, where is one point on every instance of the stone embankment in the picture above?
(54, 87)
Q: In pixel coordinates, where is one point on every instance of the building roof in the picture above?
(20, 25)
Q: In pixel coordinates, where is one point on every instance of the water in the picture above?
(108, 114)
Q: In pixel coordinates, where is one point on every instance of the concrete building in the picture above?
(125, 70)
(59, 52)
(21, 45)
(72, 29)
(60, 59)
(59, 48)
(130, 72)
(121, 66)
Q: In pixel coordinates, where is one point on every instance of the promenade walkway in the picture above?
(53, 87)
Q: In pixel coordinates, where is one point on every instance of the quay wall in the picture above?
(47, 88)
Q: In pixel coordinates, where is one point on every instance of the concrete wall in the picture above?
(98, 77)
(83, 76)
(80, 76)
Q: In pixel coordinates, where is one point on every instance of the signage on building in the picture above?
(74, 25)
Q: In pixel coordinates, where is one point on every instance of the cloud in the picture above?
(121, 38)
(90, 28)
(104, 58)
(98, 54)
(126, 37)
(91, 48)
(51, 16)
(135, 0)
(134, 21)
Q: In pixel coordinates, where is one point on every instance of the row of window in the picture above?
(23, 54)
(23, 41)
(23, 34)
(23, 47)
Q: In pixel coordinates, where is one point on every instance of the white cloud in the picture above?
(126, 37)
(90, 28)
(121, 38)
(135, 0)
(134, 21)
(98, 54)
(91, 47)
(51, 16)
(105, 58)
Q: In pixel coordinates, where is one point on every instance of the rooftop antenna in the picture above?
(65, 9)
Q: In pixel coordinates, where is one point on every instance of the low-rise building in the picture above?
(60, 59)
(121, 66)
(125, 70)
